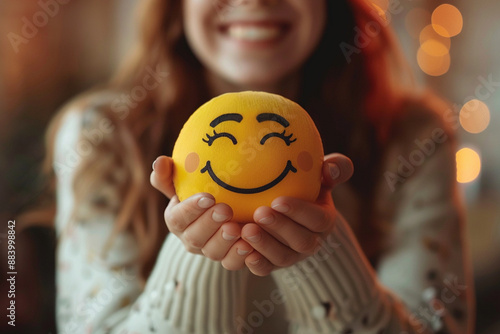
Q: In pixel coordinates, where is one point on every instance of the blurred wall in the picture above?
(49, 52)
(473, 73)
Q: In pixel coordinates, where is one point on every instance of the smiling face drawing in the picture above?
(246, 149)
(260, 118)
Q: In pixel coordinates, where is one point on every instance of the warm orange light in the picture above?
(447, 20)
(468, 165)
(429, 34)
(416, 20)
(474, 116)
(432, 64)
(382, 4)
(434, 48)
(380, 12)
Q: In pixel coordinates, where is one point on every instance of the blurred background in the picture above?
(50, 51)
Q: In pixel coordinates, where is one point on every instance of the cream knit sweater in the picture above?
(421, 284)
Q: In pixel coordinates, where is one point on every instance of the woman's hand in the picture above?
(285, 233)
(292, 229)
(203, 226)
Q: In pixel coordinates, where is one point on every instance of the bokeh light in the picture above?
(434, 65)
(434, 48)
(447, 20)
(433, 43)
(468, 165)
(416, 20)
(475, 116)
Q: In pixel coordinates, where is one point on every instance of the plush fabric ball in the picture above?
(246, 149)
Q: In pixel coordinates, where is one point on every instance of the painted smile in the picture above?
(289, 168)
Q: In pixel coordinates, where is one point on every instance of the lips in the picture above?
(255, 31)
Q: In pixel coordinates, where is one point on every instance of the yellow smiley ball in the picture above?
(246, 149)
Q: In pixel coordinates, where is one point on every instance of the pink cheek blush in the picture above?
(192, 162)
(305, 161)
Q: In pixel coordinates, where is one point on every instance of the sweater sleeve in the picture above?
(101, 292)
(91, 289)
(422, 284)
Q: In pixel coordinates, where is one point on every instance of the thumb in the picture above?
(337, 168)
(162, 175)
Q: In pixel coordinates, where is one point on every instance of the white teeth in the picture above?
(253, 33)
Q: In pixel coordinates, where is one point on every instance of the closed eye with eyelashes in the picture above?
(286, 138)
(211, 138)
(281, 135)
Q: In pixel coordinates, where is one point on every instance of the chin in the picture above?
(256, 84)
(257, 80)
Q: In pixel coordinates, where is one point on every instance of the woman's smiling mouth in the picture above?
(288, 168)
(254, 32)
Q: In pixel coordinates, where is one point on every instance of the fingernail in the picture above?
(205, 202)
(283, 208)
(255, 238)
(241, 252)
(227, 236)
(154, 162)
(218, 217)
(267, 220)
(334, 171)
(256, 262)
